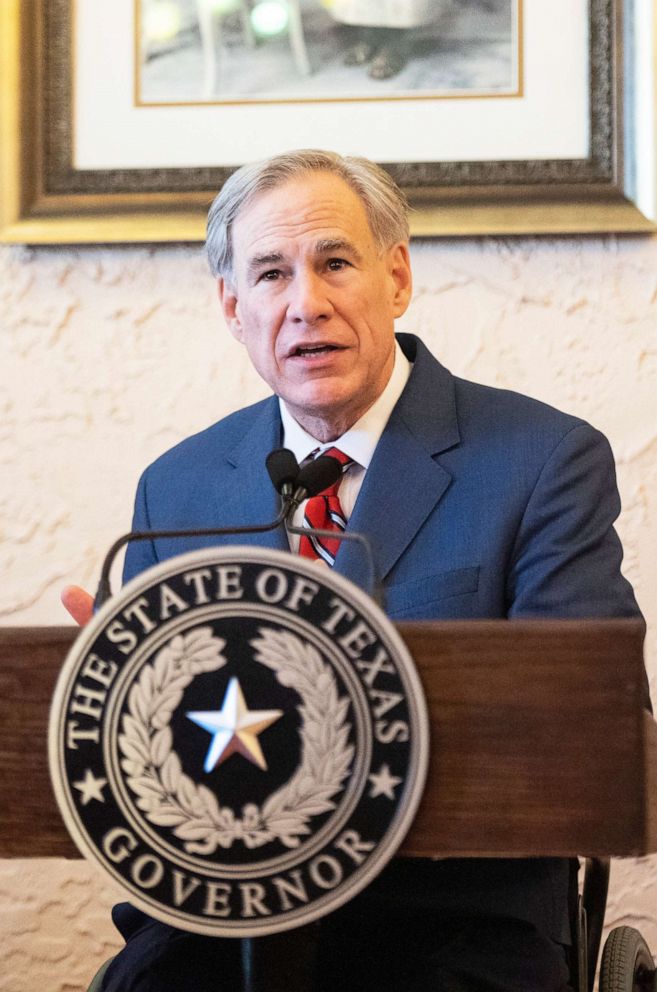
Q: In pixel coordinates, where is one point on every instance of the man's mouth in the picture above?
(310, 350)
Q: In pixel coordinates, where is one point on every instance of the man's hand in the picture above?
(79, 604)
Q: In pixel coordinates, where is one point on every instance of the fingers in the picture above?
(79, 603)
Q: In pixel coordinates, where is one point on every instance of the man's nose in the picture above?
(309, 301)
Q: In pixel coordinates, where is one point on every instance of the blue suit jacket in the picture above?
(479, 502)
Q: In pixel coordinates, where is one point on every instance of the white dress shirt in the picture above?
(358, 442)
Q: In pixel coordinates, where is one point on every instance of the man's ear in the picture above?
(228, 301)
(399, 262)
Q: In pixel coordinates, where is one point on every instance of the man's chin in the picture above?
(331, 407)
(320, 401)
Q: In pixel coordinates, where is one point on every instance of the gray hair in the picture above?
(384, 203)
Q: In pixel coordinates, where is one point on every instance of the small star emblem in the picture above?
(234, 728)
(91, 787)
(383, 783)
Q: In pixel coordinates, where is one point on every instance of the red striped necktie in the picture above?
(324, 512)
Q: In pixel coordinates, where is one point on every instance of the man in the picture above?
(478, 502)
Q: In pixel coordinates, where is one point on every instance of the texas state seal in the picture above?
(240, 739)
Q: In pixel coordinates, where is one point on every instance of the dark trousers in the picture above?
(392, 938)
(345, 953)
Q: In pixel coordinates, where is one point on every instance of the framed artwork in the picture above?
(119, 122)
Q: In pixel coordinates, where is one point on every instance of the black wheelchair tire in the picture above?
(627, 964)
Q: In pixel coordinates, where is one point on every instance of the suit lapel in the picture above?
(402, 486)
(244, 493)
(405, 481)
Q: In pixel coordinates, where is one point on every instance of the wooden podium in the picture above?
(540, 742)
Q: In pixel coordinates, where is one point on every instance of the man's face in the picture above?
(314, 300)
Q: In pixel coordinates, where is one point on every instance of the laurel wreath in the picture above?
(170, 798)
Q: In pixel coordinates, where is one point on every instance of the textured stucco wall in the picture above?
(110, 355)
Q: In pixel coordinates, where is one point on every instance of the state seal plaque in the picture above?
(240, 739)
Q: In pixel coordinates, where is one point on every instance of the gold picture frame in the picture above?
(45, 199)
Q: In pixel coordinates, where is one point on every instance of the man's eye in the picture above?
(336, 264)
(271, 275)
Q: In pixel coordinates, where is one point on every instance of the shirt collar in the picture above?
(360, 440)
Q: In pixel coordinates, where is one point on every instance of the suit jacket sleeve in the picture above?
(566, 557)
(140, 555)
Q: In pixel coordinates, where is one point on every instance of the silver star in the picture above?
(91, 787)
(383, 783)
(234, 728)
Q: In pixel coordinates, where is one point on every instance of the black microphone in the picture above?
(313, 478)
(283, 470)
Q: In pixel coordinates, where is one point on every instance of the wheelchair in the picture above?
(627, 964)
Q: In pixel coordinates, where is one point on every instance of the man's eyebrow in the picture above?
(328, 246)
(267, 258)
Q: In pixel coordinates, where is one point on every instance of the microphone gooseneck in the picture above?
(283, 470)
(294, 484)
